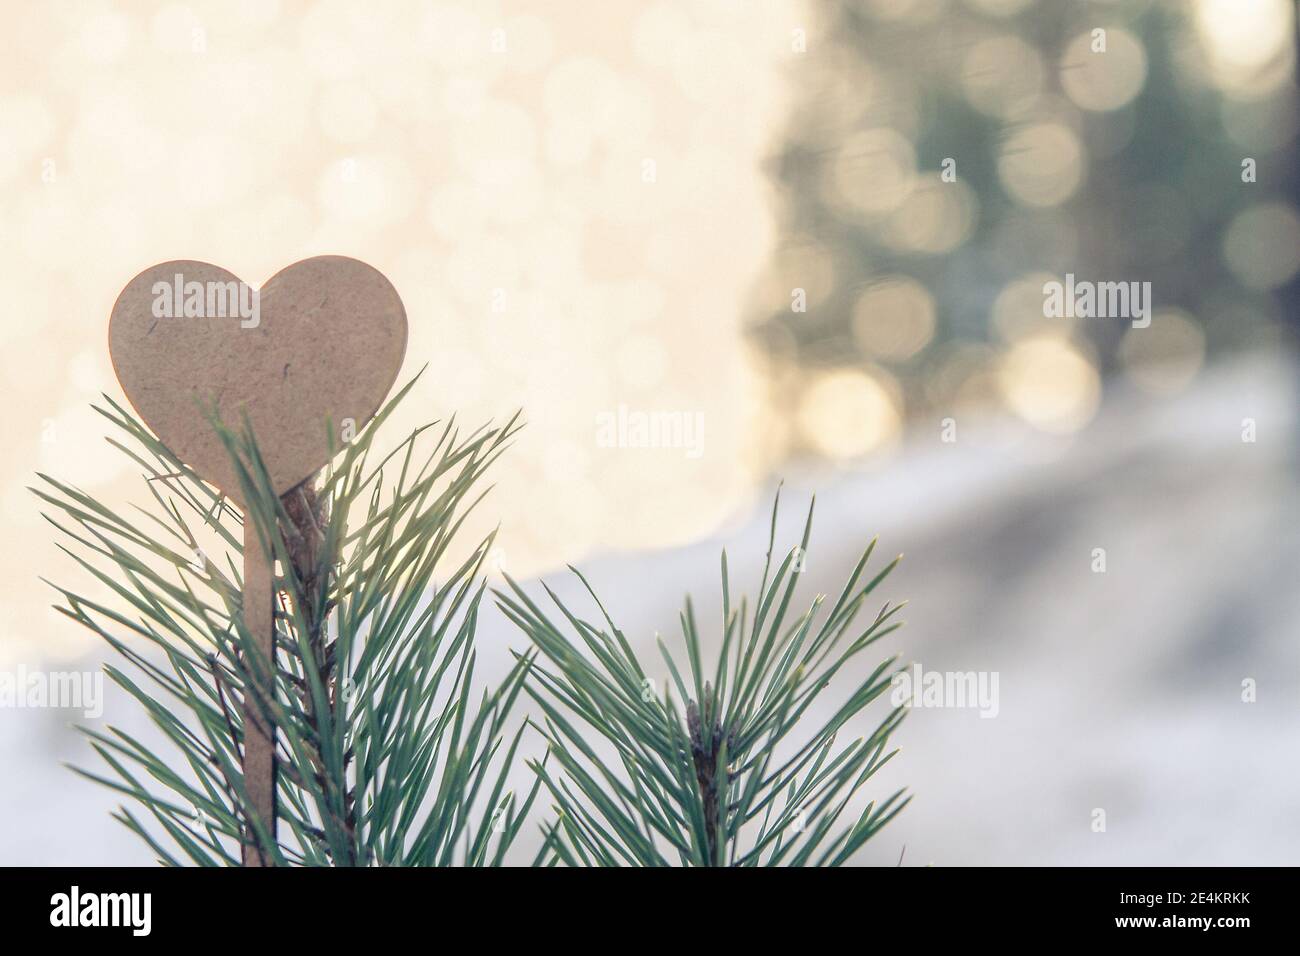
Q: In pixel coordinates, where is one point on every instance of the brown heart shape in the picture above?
(323, 345)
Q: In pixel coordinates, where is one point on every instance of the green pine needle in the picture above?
(691, 776)
(389, 753)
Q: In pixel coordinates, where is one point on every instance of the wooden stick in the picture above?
(259, 728)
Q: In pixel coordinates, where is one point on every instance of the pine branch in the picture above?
(700, 783)
(390, 753)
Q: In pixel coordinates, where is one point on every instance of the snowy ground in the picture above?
(1119, 691)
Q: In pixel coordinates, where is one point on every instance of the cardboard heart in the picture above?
(322, 341)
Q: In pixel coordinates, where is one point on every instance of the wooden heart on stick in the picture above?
(321, 342)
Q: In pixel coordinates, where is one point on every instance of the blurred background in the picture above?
(821, 231)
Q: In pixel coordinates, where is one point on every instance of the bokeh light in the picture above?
(1047, 381)
(1018, 309)
(847, 413)
(1104, 80)
(934, 218)
(1002, 76)
(894, 318)
(1041, 164)
(1262, 245)
(872, 172)
(1248, 43)
(1164, 358)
